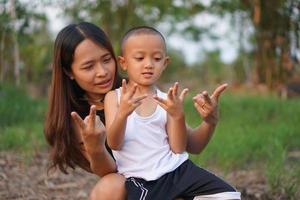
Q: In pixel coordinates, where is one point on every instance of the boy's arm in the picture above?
(207, 107)
(177, 133)
(116, 114)
(176, 127)
(115, 122)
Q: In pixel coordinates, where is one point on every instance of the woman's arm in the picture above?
(91, 132)
(207, 107)
(199, 137)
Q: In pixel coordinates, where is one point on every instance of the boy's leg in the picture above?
(192, 181)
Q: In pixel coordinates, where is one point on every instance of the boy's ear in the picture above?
(122, 62)
(167, 61)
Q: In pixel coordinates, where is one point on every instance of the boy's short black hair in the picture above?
(139, 30)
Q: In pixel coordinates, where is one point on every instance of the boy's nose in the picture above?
(149, 64)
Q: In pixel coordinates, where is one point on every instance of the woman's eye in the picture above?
(87, 67)
(107, 60)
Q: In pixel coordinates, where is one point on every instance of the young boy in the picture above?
(147, 132)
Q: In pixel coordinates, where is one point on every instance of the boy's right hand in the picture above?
(128, 103)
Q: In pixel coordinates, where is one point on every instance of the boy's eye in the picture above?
(139, 58)
(158, 59)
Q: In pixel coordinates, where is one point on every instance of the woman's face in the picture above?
(93, 69)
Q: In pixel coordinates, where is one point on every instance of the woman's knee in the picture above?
(111, 186)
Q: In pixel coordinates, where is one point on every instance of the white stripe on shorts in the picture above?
(139, 185)
(220, 196)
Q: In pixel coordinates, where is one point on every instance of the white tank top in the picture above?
(146, 152)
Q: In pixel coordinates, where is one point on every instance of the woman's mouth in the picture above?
(104, 84)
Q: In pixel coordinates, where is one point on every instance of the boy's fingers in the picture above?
(77, 119)
(218, 91)
(159, 100)
(175, 89)
(183, 93)
(123, 90)
(170, 93)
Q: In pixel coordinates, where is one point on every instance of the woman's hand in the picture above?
(174, 102)
(207, 106)
(91, 129)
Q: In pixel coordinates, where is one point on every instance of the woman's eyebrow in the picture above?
(87, 62)
(105, 55)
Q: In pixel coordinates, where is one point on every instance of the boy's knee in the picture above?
(110, 187)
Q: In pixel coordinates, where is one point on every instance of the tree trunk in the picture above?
(2, 62)
(16, 53)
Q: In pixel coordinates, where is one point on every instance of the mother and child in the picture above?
(142, 151)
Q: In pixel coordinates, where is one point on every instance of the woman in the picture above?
(84, 70)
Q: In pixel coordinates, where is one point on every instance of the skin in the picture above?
(91, 131)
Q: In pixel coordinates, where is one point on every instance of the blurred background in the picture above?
(254, 45)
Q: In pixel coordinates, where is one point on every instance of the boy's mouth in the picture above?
(147, 74)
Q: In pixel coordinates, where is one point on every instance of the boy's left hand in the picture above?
(174, 102)
(207, 106)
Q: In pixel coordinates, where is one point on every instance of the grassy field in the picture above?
(253, 132)
(21, 121)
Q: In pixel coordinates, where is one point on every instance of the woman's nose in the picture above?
(101, 70)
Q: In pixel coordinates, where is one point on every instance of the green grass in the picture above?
(255, 131)
(21, 122)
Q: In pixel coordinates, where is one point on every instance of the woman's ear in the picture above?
(122, 62)
(69, 74)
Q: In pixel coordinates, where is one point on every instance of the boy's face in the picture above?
(144, 58)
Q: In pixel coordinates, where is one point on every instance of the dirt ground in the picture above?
(21, 179)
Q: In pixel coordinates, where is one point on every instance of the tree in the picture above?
(115, 17)
(25, 41)
(276, 26)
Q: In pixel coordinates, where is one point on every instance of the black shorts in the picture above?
(186, 182)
